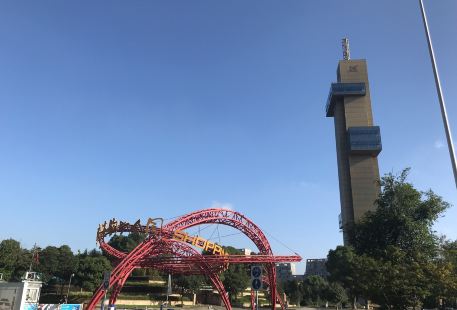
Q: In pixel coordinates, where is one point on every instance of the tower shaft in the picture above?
(358, 142)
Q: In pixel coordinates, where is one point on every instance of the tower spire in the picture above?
(346, 51)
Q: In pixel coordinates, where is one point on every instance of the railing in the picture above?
(365, 140)
(341, 90)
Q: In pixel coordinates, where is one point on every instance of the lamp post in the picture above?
(69, 284)
(447, 129)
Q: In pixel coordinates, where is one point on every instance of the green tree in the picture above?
(403, 218)
(91, 266)
(67, 263)
(344, 266)
(336, 294)
(449, 253)
(10, 254)
(293, 291)
(394, 258)
(235, 278)
(394, 282)
(49, 264)
(22, 265)
(126, 243)
(314, 290)
(445, 272)
(57, 264)
(188, 283)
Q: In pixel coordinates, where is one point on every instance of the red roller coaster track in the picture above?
(163, 252)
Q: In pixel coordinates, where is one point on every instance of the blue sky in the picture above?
(131, 109)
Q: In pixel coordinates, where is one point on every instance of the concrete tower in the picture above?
(358, 142)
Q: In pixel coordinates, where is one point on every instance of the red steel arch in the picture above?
(236, 220)
(160, 251)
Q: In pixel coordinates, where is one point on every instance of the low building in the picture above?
(285, 271)
(21, 295)
(245, 251)
(316, 267)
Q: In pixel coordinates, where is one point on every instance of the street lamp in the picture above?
(69, 284)
(447, 128)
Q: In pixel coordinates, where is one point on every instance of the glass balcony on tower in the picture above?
(338, 90)
(364, 140)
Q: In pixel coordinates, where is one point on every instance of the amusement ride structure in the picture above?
(168, 248)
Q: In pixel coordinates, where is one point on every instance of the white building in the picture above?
(21, 295)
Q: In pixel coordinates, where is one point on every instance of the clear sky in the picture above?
(131, 109)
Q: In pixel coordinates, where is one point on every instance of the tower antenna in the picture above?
(346, 51)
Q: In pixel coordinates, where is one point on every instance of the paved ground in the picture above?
(219, 308)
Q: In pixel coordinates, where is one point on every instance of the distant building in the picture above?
(246, 251)
(316, 267)
(285, 271)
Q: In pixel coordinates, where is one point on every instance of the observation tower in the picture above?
(358, 141)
